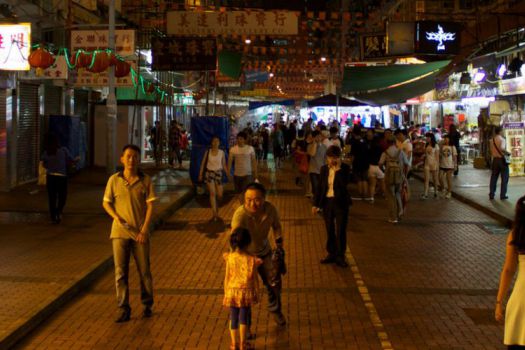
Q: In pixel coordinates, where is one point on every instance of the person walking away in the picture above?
(455, 136)
(514, 315)
(277, 145)
(55, 159)
(211, 171)
(174, 139)
(265, 141)
(448, 161)
(335, 139)
(431, 167)
(242, 157)
(360, 161)
(241, 287)
(316, 151)
(259, 216)
(375, 174)
(157, 139)
(499, 164)
(396, 163)
(301, 158)
(129, 199)
(333, 198)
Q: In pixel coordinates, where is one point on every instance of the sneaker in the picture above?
(424, 196)
(278, 317)
(147, 312)
(393, 221)
(448, 195)
(124, 316)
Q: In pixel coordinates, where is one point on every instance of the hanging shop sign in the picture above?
(184, 54)
(15, 46)
(373, 46)
(515, 137)
(58, 71)
(232, 23)
(400, 37)
(515, 86)
(256, 76)
(255, 92)
(91, 40)
(439, 38)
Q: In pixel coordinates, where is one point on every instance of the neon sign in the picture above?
(441, 37)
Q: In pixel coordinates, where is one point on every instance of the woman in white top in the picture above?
(212, 166)
(448, 162)
(431, 164)
(514, 261)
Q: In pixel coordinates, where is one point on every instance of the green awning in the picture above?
(399, 94)
(230, 64)
(130, 93)
(362, 79)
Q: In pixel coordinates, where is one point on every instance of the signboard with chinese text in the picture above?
(515, 140)
(184, 54)
(440, 38)
(88, 79)
(91, 40)
(15, 46)
(373, 46)
(400, 37)
(232, 22)
(58, 71)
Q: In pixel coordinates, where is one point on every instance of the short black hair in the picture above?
(315, 133)
(243, 135)
(240, 238)
(333, 151)
(497, 129)
(131, 146)
(333, 129)
(257, 186)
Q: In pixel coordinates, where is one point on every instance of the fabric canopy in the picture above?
(363, 79)
(401, 93)
(257, 104)
(331, 100)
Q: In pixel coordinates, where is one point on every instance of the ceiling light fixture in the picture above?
(247, 41)
(323, 59)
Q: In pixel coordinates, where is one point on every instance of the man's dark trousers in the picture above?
(499, 167)
(336, 221)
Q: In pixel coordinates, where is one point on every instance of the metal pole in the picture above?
(111, 102)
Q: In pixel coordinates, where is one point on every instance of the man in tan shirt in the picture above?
(128, 199)
(259, 216)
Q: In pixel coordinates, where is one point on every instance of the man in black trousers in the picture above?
(333, 198)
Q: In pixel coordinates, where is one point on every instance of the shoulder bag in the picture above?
(505, 156)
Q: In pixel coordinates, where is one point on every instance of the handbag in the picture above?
(505, 156)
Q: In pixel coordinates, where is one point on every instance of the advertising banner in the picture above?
(15, 46)
(400, 38)
(88, 79)
(515, 139)
(373, 46)
(232, 22)
(439, 38)
(184, 54)
(58, 71)
(514, 86)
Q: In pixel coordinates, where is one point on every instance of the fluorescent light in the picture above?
(479, 76)
(502, 70)
(248, 41)
(323, 59)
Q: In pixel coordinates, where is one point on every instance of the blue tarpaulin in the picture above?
(202, 130)
(258, 104)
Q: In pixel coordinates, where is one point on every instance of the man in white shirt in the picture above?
(242, 156)
(499, 165)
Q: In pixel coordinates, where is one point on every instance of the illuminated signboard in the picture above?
(439, 38)
(15, 46)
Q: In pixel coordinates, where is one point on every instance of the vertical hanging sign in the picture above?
(15, 46)
(515, 139)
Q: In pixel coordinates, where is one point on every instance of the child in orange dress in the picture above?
(241, 287)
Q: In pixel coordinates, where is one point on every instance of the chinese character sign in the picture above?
(91, 40)
(232, 22)
(515, 139)
(184, 54)
(15, 46)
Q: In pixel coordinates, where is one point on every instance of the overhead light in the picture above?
(310, 80)
(248, 41)
(323, 59)
(501, 70)
(479, 76)
(271, 75)
(278, 87)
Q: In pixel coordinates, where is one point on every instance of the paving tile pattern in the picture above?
(432, 280)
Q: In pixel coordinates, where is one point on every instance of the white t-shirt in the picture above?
(406, 147)
(215, 162)
(446, 159)
(432, 157)
(242, 159)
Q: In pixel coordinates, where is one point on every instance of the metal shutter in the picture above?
(82, 104)
(28, 133)
(4, 178)
(52, 100)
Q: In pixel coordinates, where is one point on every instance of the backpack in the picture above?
(393, 175)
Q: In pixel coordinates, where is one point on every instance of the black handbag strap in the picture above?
(497, 148)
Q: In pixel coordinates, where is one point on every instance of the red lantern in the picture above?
(81, 60)
(41, 58)
(101, 62)
(113, 59)
(122, 69)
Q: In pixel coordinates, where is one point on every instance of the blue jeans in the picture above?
(499, 167)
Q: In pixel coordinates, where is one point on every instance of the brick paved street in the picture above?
(427, 283)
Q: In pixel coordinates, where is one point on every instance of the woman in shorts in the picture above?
(212, 167)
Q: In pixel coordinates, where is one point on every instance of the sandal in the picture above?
(247, 346)
(234, 347)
